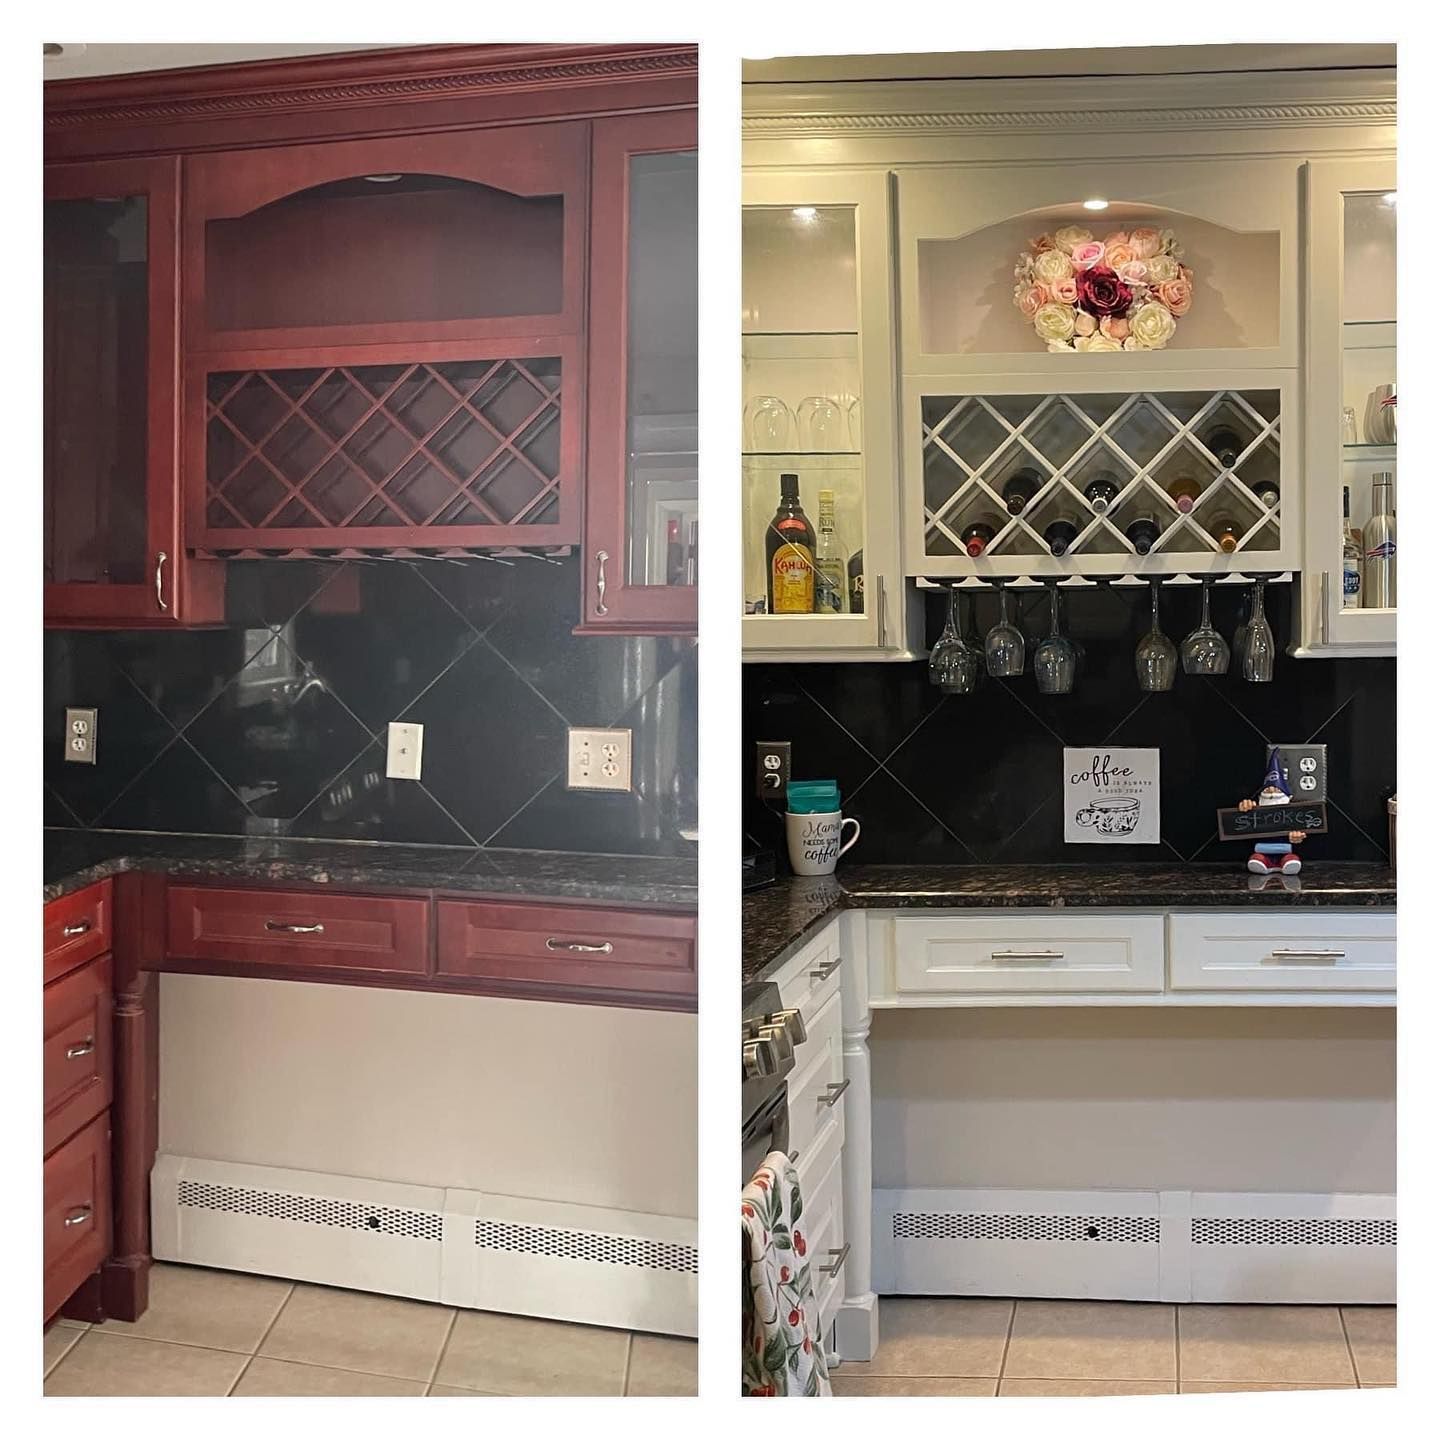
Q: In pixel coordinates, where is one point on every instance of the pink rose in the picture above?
(1117, 237)
(1088, 255)
(1063, 292)
(1031, 298)
(1133, 272)
(1084, 323)
(1118, 255)
(1174, 295)
(1115, 327)
(1145, 242)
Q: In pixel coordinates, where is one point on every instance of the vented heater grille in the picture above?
(949, 1225)
(310, 1210)
(1317, 1230)
(587, 1245)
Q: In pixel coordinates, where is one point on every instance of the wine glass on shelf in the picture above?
(1055, 656)
(1004, 643)
(769, 424)
(1257, 659)
(1155, 656)
(822, 424)
(1204, 651)
(954, 665)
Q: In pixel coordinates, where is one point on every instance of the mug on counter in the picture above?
(814, 840)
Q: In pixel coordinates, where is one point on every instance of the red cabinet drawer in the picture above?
(77, 928)
(77, 1211)
(77, 1080)
(384, 935)
(579, 949)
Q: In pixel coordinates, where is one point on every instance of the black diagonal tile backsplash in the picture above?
(977, 778)
(275, 723)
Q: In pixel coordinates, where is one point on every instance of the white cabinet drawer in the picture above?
(807, 980)
(1282, 950)
(1029, 952)
(822, 1223)
(819, 1071)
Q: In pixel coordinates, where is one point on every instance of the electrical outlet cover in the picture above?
(598, 759)
(80, 728)
(772, 770)
(405, 741)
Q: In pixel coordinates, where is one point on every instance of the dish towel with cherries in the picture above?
(780, 1319)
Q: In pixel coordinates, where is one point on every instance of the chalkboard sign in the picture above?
(1271, 822)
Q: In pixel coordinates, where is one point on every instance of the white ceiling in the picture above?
(86, 59)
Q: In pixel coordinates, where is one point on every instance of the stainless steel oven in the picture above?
(768, 1037)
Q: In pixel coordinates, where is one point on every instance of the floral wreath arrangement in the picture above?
(1120, 293)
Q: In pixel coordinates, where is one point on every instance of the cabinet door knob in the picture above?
(833, 1268)
(80, 927)
(285, 928)
(580, 947)
(160, 559)
(834, 1092)
(85, 1047)
(601, 556)
(79, 1215)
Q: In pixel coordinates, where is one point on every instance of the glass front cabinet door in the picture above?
(819, 488)
(642, 494)
(1349, 601)
(112, 551)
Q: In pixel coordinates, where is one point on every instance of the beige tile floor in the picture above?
(212, 1332)
(1091, 1347)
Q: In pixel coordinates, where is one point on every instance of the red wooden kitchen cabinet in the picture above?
(113, 550)
(384, 342)
(642, 477)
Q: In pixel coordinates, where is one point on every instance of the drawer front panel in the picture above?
(363, 933)
(77, 928)
(1280, 950)
(808, 980)
(77, 1076)
(822, 1223)
(77, 1211)
(579, 948)
(815, 1097)
(1017, 954)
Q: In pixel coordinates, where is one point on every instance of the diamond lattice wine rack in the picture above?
(1204, 468)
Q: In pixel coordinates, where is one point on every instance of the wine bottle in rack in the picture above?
(1225, 532)
(977, 537)
(1060, 535)
(790, 554)
(1101, 492)
(1185, 490)
(1225, 445)
(1143, 533)
(1020, 489)
(1267, 492)
(830, 577)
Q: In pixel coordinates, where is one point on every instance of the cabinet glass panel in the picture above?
(663, 368)
(1367, 427)
(96, 329)
(802, 412)
(379, 249)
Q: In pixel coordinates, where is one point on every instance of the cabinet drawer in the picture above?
(815, 1096)
(77, 1211)
(808, 980)
(1027, 954)
(580, 948)
(822, 1223)
(387, 935)
(77, 928)
(1279, 950)
(77, 1078)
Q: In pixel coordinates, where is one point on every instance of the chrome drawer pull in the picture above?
(834, 1092)
(284, 927)
(793, 1156)
(85, 1047)
(824, 972)
(834, 1267)
(580, 947)
(1306, 955)
(80, 927)
(78, 1216)
(601, 608)
(160, 558)
(1027, 954)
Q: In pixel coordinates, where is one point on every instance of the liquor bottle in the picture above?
(1225, 445)
(1060, 535)
(1380, 543)
(1020, 489)
(1226, 533)
(1349, 556)
(977, 536)
(1267, 492)
(1101, 492)
(856, 571)
(674, 554)
(1185, 491)
(790, 554)
(829, 561)
(1143, 533)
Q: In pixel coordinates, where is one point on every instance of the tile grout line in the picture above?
(444, 1346)
(1005, 1349)
(629, 1356)
(264, 1336)
(1349, 1348)
(1175, 1311)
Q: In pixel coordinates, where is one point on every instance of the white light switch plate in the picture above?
(402, 755)
(599, 760)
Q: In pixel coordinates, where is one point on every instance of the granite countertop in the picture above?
(75, 858)
(776, 920)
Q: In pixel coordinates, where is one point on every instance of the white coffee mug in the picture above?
(814, 841)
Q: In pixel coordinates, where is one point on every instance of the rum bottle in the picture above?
(830, 575)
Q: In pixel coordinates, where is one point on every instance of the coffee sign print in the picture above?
(1112, 796)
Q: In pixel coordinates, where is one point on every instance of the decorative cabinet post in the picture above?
(642, 537)
(113, 549)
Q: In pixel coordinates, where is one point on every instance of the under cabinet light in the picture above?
(383, 179)
(805, 214)
(1390, 197)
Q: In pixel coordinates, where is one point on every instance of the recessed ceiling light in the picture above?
(1389, 197)
(805, 214)
(1097, 204)
(383, 179)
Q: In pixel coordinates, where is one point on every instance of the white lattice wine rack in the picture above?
(1146, 441)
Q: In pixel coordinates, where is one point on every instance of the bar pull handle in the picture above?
(880, 610)
(825, 971)
(80, 927)
(834, 1267)
(793, 1156)
(284, 927)
(580, 947)
(160, 559)
(601, 556)
(834, 1092)
(1003, 955)
(85, 1047)
(1307, 955)
(78, 1216)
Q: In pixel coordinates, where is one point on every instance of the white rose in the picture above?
(1069, 236)
(1059, 345)
(1057, 322)
(1097, 341)
(1160, 268)
(1151, 326)
(1052, 266)
(1085, 323)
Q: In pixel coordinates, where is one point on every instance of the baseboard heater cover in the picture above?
(1136, 1245)
(583, 1263)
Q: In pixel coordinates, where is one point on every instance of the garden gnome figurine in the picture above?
(1274, 857)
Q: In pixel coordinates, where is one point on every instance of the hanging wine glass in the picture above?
(1156, 659)
(1004, 644)
(1204, 651)
(970, 637)
(1055, 655)
(954, 666)
(1237, 643)
(1257, 662)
